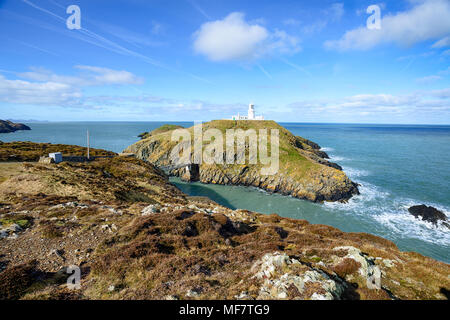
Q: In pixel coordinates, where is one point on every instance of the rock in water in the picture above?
(429, 214)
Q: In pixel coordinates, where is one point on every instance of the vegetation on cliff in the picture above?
(163, 128)
(136, 236)
(31, 151)
(304, 171)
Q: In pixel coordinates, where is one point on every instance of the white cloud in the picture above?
(377, 106)
(336, 11)
(91, 76)
(442, 94)
(157, 28)
(444, 42)
(315, 27)
(235, 39)
(43, 87)
(47, 89)
(36, 93)
(427, 20)
(105, 76)
(291, 22)
(428, 79)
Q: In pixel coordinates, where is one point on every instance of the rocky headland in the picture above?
(304, 171)
(7, 126)
(136, 236)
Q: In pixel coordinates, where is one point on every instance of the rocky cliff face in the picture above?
(8, 126)
(304, 171)
(136, 236)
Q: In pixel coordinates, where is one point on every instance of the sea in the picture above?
(397, 166)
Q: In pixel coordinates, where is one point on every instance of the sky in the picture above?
(188, 60)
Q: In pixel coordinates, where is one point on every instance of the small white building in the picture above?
(56, 156)
(251, 114)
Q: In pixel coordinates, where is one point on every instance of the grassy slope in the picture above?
(163, 128)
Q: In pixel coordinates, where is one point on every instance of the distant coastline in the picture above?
(9, 126)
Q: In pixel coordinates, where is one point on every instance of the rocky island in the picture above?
(136, 236)
(304, 171)
(8, 126)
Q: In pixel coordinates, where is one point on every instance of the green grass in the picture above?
(21, 220)
(162, 129)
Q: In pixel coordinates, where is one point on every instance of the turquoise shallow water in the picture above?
(396, 165)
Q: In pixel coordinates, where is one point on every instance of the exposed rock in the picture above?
(194, 293)
(10, 232)
(368, 269)
(71, 204)
(8, 126)
(153, 208)
(429, 214)
(281, 280)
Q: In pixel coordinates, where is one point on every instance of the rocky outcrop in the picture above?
(429, 214)
(8, 126)
(281, 279)
(304, 171)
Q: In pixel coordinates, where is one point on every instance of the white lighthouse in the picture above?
(251, 111)
(251, 114)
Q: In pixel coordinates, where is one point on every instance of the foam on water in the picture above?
(405, 225)
(326, 149)
(355, 173)
(338, 158)
(376, 204)
(361, 203)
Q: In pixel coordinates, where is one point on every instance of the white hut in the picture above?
(56, 156)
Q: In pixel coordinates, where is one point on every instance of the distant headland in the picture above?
(7, 126)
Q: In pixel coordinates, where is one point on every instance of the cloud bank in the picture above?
(426, 20)
(233, 38)
(43, 87)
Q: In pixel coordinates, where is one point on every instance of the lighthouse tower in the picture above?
(251, 111)
(251, 114)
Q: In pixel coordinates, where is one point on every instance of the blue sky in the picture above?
(299, 61)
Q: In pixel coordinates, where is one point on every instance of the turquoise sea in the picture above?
(396, 165)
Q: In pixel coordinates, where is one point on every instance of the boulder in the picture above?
(429, 214)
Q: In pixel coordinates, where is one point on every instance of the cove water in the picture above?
(396, 166)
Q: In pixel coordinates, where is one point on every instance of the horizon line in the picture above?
(304, 122)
